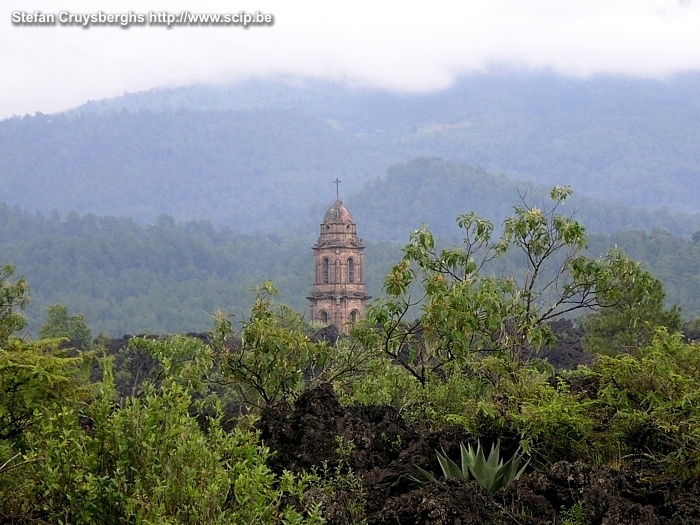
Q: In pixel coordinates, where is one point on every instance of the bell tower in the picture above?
(338, 296)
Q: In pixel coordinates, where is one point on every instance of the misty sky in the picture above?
(420, 46)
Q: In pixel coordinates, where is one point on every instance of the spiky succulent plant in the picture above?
(491, 472)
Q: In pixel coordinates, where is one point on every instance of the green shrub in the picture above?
(340, 492)
(652, 401)
(551, 420)
(147, 459)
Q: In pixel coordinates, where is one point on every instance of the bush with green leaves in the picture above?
(491, 472)
(489, 395)
(75, 452)
(575, 515)
(36, 376)
(149, 459)
(272, 358)
(553, 422)
(341, 493)
(651, 402)
(470, 357)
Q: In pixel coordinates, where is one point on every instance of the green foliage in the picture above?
(13, 296)
(634, 309)
(467, 310)
(488, 471)
(340, 492)
(468, 358)
(674, 260)
(179, 359)
(445, 400)
(148, 459)
(62, 325)
(70, 454)
(574, 515)
(274, 359)
(270, 361)
(553, 422)
(35, 377)
(379, 381)
(457, 397)
(651, 401)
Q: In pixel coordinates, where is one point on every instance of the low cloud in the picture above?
(51, 68)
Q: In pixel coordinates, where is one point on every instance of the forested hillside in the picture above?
(434, 191)
(251, 170)
(261, 155)
(676, 262)
(167, 277)
(171, 276)
(620, 139)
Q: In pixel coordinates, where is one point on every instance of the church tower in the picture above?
(338, 296)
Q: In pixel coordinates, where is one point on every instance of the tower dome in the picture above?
(337, 214)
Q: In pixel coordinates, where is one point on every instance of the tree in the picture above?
(36, 382)
(635, 310)
(61, 324)
(33, 376)
(14, 296)
(272, 359)
(468, 309)
(267, 363)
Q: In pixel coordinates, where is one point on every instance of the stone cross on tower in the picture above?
(337, 182)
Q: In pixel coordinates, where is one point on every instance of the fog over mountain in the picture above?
(411, 48)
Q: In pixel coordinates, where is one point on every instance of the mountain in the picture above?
(434, 192)
(261, 155)
(614, 138)
(251, 170)
(186, 198)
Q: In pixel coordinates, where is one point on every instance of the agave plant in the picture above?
(490, 472)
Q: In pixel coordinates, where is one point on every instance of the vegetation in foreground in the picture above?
(262, 424)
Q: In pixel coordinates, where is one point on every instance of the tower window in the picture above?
(326, 271)
(351, 270)
(323, 316)
(354, 316)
